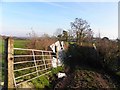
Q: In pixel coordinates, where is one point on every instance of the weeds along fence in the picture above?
(23, 65)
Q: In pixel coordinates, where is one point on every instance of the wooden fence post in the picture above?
(10, 63)
(9, 60)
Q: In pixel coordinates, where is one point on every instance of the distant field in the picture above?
(17, 44)
(20, 43)
(1, 45)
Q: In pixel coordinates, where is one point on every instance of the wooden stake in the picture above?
(9, 59)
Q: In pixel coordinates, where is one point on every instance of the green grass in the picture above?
(20, 43)
(44, 81)
(17, 44)
(41, 82)
(1, 46)
(56, 70)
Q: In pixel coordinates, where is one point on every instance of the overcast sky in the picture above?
(45, 17)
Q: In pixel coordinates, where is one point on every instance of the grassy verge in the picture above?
(46, 80)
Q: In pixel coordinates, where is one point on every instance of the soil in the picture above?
(85, 79)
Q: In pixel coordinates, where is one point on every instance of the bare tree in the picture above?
(80, 26)
(88, 35)
(71, 35)
(34, 39)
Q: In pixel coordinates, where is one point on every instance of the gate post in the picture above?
(9, 62)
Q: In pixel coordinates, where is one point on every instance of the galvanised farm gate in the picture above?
(23, 65)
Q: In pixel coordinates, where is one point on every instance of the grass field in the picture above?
(17, 44)
(20, 43)
(1, 45)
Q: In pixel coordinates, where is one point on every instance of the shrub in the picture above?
(108, 52)
(81, 55)
(41, 43)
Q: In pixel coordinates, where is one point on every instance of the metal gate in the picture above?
(23, 65)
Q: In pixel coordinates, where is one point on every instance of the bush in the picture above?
(108, 52)
(81, 55)
(41, 43)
